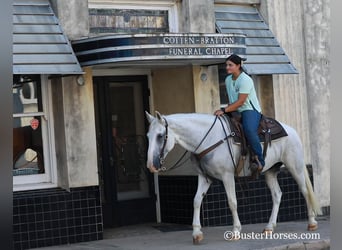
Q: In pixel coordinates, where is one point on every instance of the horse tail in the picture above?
(312, 197)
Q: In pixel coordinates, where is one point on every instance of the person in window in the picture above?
(242, 98)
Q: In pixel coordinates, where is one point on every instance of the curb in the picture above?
(311, 245)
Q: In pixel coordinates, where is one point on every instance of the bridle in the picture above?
(161, 154)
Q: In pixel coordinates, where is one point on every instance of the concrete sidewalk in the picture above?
(169, 236)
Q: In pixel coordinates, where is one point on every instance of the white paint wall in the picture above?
(302, 101)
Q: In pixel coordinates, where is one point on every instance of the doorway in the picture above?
(127, 188)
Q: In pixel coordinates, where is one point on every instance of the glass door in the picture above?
(126, 184)
(129, 141)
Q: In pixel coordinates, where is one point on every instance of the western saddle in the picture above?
(269, 129)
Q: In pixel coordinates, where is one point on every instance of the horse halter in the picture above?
(161, 154)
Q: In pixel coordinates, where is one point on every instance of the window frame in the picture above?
(48, 178)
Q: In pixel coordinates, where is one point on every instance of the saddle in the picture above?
(269, 129)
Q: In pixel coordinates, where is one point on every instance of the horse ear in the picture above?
(149, 117)
(159, 116)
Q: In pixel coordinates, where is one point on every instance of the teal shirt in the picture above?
(244, 85)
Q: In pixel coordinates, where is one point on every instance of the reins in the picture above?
(231, 155)
(200, 155)
(229, 148)
(174, 166)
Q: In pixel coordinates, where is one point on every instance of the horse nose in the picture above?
(156, 162)
(153, 163)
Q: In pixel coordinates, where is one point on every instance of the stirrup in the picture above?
(255, 170)
(255, 166)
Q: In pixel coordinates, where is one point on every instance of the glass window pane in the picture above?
(222, 77)
(26, 97)
(28, 155)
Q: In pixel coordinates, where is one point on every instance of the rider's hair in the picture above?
(236, 59)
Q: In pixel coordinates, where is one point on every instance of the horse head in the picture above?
(160, 141)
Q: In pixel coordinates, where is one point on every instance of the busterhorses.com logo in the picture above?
(229, 235)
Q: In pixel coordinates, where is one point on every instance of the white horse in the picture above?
(197, 132)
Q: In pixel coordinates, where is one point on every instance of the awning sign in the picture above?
(157, 47)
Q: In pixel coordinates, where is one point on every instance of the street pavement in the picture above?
(288, 235)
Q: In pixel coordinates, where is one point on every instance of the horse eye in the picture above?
(160, 136)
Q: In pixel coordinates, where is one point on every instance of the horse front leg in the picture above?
(229, 185)
(202, 188)
(273, 185)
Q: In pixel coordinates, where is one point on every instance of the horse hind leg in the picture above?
(202, 188)
(313, 206)
(301, 176)
(273, 185)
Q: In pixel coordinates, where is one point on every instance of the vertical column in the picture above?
(199, 17)
(317, 30)
(73, 16)
(58, 113)
(80, 134)
(206, 89)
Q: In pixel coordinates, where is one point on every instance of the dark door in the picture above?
(126, 185)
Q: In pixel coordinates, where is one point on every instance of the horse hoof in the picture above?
(312, 227)
(267, 231)
(197, 239)
(235, 238)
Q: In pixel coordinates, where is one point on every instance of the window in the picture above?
(32, 145)
(140, 17)
(222, 85)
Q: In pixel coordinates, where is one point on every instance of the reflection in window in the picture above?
(223, 92)
(28, 155)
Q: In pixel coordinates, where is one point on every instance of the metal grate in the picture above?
(54, 216)
(253, 197)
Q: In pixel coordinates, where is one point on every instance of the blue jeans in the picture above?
(250, 123)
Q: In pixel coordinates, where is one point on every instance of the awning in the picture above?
(157, 49)
(263, 52)
(39, 45)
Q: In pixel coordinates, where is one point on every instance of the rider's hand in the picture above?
(218, 112)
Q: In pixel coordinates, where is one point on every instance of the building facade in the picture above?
(86, 70)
